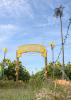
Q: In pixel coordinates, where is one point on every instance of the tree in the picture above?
(57, 71)
(10, 71)
(59, 13)
(68, 70)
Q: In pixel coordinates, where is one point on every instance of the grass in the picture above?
(43, 90)
(16, 94)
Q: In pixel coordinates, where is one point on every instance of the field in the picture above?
(46, 90)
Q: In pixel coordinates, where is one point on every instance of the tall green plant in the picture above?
(52, 45)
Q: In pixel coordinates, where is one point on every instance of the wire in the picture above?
(58, 55)
(66, 36)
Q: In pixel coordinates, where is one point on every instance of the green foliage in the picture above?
(40, 75)
(50, 69)
(68, 70)
(9, 70)
(24, 74)
(57, 71)
(36, 81)
(8, 67)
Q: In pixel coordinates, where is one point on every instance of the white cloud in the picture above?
(7, 26)
(15, 8)
(7, 31)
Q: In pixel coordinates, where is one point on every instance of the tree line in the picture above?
(7, 71)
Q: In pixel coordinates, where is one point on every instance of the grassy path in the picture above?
(45, 91)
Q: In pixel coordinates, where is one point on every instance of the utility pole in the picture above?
(59, 13)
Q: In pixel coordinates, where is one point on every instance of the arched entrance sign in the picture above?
(30, 48)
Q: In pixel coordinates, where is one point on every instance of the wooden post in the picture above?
(46, 71)
(17, 67)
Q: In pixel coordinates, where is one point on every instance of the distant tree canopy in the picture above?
(57, 71)
(8, 67)
(9, 70)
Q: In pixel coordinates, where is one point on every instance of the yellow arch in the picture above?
(32, 48)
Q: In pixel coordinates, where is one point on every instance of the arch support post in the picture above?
(46, 71)
(17, 68)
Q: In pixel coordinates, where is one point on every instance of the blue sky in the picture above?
(32, 21)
